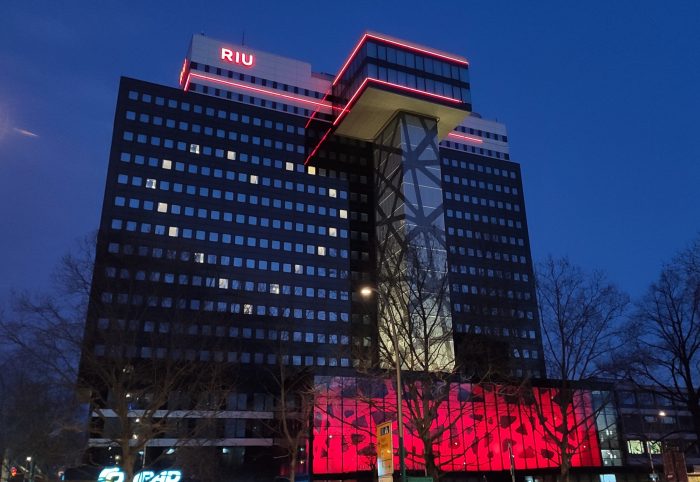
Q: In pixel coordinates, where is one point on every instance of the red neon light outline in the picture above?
(352, 99)
(182, 71)
(359, 90)
(257, 89)
(393, 42)
(308, 158)
(308, 123)
(347, 62)
(187, 83)
(397, 86)
(471, 139)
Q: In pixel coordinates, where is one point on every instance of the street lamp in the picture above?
(366, 292)
(30, 461)
(653, 476)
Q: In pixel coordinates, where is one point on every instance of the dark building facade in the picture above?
(245, 210)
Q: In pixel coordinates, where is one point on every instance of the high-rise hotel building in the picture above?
(251, 204)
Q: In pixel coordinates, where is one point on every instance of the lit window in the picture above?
(332, 232)
(247, 309)
(311, 170)
(321, 251)
(274, 288)
(199, 257)
(162, 207)
(150, 183)
(167, 164)
(223, 283)
(332, 193)
(194, 148)
(343, 214)
(172, 231)
(289, 166)
(253, 179)
(298, 269)
(231, 155)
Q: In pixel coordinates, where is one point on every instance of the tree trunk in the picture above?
(292, 467)
(564, 469)
(127, 463)
(431, 468)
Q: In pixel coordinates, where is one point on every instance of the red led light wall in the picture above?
(473, 428)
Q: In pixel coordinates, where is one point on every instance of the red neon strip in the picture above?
(467, 138)
(352, 99)
(264, 91)
(317, 111)
(187, 83)
(393, 42)
(418, 49)
(318, 145)
(411, 89)
(396, 86)
(347, 62)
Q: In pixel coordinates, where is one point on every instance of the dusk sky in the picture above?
(600, 100)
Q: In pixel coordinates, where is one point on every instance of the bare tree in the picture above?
(664, 334)
(39, 420)
(140, 384)
(294, 397)
(579, 312)
(415, 334)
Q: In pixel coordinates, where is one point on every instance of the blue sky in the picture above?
(600, 99)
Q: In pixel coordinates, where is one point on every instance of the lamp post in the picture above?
(653, 475)
(30, 461)
(366, 292)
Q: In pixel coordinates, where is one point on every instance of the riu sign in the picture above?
(236, 57)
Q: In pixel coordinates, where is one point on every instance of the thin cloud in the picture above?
(25, 132)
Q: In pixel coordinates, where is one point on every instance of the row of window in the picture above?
(462, 269)
(510, 294)
(214, 214)
(223, 260)
(480, 133)
(223, 356)
(496, 238)
(467, 147)
(256, 101)
(139, 159)
(496, 331)
(413, 60)
(168, 302)
(494, 310)
(498, 256)
(412, 71)
(479, 168)
(224, 115)
(183, 105)
(271, 334)
(225, 283)
(419, 82)
(152, 183)
(240, 197)
(249, 178)
(207, 131)
(157, 141)
(483, 218)
(251, 79)
(480, 185)
(224, 238)
(234, 284)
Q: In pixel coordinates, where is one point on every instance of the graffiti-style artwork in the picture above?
(477, 426)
